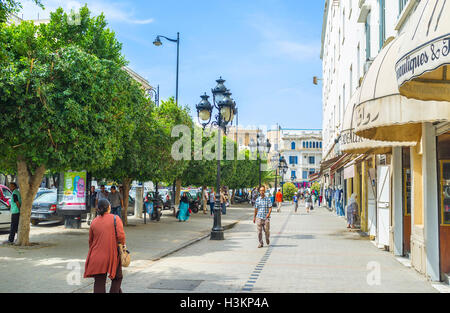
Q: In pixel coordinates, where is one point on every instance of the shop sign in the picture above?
(425, 58)
(349, 137)
(73, 196)
(364, 115)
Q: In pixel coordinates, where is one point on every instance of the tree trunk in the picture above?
(232, 196)
(178, 191)
(28, 184)
(126, 191)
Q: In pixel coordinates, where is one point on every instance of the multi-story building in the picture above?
(302, 150)
(386, 114)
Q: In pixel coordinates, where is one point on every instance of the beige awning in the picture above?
(422, 66)
(385, 115)
(351, 143)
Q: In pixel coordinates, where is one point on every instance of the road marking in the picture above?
(258, 268)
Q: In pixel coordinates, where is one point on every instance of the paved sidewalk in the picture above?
(47, 266)
(308, 253)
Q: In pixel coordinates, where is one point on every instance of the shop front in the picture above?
(405, 97)
(368, 176)
(422, 73)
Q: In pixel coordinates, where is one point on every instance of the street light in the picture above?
(283, 167)
(226, 108)
(158, 43)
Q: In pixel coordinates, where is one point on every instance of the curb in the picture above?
(191, 242)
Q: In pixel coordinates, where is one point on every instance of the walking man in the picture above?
(263, 209)
(279, 200)
(116, 201)
(16, 202)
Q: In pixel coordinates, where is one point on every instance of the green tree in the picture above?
(289, 191)
(8, 7)
(62, 108)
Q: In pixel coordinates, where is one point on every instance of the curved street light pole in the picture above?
(158, 43)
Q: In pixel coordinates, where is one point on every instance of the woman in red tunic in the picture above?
(103, 256)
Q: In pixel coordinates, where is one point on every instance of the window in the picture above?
(320, 145)
(293, 146)
(293, 174)
(304, 145)
(311, 171)
(382, 23)
(312, 160)
(367, 26)
(305, 175)
(293, 160)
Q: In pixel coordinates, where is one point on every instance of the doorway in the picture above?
(443, 144)
(406, 200)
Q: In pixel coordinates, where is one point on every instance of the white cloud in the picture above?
(120, 12)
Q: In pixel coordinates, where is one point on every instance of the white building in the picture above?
(353, 33)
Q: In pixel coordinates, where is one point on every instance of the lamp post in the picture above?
(259, 146)
(279, 166)
(158, 43)
(226, 107)
(283, 169)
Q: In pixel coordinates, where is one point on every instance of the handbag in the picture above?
(124, 254)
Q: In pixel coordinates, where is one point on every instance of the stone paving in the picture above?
(308, 253)
(47, 266)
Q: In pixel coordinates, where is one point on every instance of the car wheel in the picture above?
(34, 222)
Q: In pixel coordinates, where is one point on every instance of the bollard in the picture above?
(139, 202)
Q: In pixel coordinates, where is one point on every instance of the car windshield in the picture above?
(49, 197)
(7, 194)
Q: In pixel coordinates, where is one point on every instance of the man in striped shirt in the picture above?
(263, 209)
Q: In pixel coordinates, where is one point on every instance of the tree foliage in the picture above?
(8, 7)
(63, 104)
(289, 191)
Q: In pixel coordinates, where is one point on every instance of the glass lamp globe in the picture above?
(204, 115)
(226, 113)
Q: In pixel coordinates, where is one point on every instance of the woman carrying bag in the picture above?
(183, 211)
(105, 233)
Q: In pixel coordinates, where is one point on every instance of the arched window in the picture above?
(304, 145)
(293, 146)
(314, 144)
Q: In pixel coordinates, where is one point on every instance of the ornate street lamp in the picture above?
(226, 108)
(158, 43)
(283, 170)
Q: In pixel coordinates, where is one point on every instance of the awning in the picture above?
(341, 162)
(385, 115)
(422, 66)
(324, 165)
(313, 177)
(351, 143)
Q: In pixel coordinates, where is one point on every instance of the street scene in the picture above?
(300, 147)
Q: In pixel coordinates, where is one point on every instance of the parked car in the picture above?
(42, 191)
(5, 215)
(5, 194)
(44, 208)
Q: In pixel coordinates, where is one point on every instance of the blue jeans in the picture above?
(224, 208)
(117, 211)
(211, 206)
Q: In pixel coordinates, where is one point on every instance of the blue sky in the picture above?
(267, 50)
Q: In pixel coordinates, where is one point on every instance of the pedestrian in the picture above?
(183, 213)
(279, 200)
(205, 199)
(223, 200)
(212, 200)
(116, 200)
(105, 233)
(103, 194)
(148, 203)
(308, 202)
(263, 209)
(295, 199)
(254, 195)
(299, 196)
(14, 205)
(352, 210)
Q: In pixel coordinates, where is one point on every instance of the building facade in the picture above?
(386, 115)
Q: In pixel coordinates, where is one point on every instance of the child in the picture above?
(295, 202)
